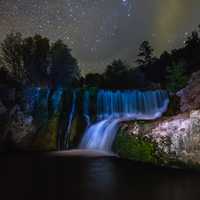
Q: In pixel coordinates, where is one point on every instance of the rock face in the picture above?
(184, 134)
(20, 128)
(190, 95)
(178, 136)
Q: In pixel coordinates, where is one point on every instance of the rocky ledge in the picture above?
(176, 137)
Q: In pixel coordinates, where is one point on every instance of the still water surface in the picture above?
(92, 178)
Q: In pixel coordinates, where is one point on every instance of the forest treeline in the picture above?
(36, 61)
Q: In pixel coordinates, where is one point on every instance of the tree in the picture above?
(36, 58)
(117, 68)
(115, 74)
(191, 50)
(193, 41)
(12, 57)
(176, 78)
(64, 70)
(145, 53)
(93, 80)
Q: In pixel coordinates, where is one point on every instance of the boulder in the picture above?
(190, 95)
(178, 136)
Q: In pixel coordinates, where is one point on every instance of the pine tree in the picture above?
(145, 53)
(176, 78)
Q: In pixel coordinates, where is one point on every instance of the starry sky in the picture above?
(99, 31)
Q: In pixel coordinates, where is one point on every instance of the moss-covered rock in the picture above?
(174, 141)
(135, 148)
(139, 147)
(46, 139)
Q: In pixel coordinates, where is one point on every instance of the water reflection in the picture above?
(81, 178)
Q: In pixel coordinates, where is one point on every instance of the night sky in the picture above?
(99, 31)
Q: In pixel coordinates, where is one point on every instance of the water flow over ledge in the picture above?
(116, 107)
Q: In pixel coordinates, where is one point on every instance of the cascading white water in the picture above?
(116, 107)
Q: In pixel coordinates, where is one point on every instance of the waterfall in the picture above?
(71, 116)
(56, 99)
(86, 107)
(31, 98)
(116, 107)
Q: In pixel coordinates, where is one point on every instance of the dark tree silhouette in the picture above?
(6, 79)
(145, 53)
(64, 70)
(115, 74)
(193, 41)
(36, 58)
(192, 48)
(117, 68)
(33, 60)
(93, 80)
(12, 58)
(176, 77)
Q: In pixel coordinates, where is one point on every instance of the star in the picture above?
(99, 31)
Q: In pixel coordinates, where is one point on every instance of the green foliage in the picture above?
(176, 78)
(136, 148)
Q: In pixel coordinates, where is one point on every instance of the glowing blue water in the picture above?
(86, 107)
(56, 99)
(116, 107)
(71, 115)
(31, 98)
(37, 96)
